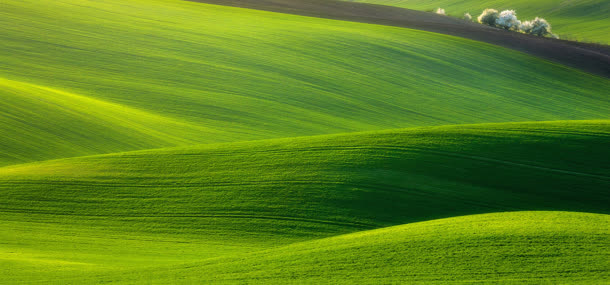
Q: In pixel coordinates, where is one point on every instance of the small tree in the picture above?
(527, 27)
(467, 17)
(440, 11)
(507, 20)
(538, 27)
(488, 17)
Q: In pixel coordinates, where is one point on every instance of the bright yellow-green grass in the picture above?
(74, 71)
(95, 216)
(585, 20)
(84, 83)
(40, 122)
(518, 247)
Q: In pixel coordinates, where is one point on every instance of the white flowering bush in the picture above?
(507, 20)
(467, 17)
(526, 27)
(538, 27)
(440, 11)
(489, 17)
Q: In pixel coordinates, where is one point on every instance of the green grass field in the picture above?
(584, 20)
(45, 123)
(166, 141)
(181, 79)
(136, 209)
(492, 248)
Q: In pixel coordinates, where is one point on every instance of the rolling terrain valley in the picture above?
(196, 142)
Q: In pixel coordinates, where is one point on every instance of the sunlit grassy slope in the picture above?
(520, 247)
(572, 19)
(90, 215)
(40, 123)
(84, 77)
(188, 72)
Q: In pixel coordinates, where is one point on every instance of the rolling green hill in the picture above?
(520, 247)
(90, 215)
(585, 20)
(188, 72)
(165, 141)
(40, 123)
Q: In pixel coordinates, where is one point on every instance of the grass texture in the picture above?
(86, 217)
(40, 122)
(517, 247)
(585, 20)
(185, 73)
(163, 141)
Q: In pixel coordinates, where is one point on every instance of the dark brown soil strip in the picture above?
(591, 58)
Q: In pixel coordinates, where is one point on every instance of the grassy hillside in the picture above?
(222, 104)
(520, 247)
(585, 20)
(84, 216)
(38, 123)
(189, 70)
